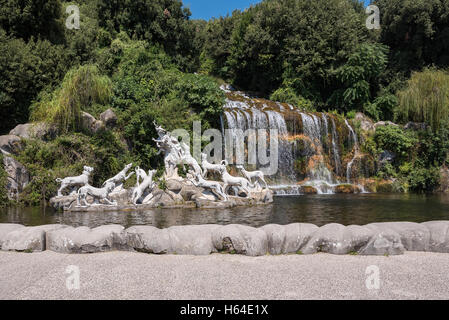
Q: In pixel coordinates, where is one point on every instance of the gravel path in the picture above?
(126, 275)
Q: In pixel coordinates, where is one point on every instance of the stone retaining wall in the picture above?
(389, 238)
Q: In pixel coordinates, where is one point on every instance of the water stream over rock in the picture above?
(317, 151)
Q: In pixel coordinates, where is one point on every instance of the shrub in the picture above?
(396, 140)
(423, 179)
(288, 95)
(80, 88)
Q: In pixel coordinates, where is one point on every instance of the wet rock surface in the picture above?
(17, 177)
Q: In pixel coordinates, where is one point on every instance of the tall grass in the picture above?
(426, 98)
(80, 88)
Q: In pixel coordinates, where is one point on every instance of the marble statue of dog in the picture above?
(96, 193)
(210, 167)
(74, 182)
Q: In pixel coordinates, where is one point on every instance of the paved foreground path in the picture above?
(126, 275)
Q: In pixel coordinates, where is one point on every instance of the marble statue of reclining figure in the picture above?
(74, 182)
(97, 193)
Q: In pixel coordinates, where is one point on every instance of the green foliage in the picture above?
(202, 95)
(426, 98)
(396, 140)
(423, 179)
(358, 75)
(288, 95)
(80, 89)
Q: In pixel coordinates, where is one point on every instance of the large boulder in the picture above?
(28, 239)
(414, 236)
(86, 240)
(63, 202)
(289, 238)
(337, 239)
(90, 124)
(192, 240)
(109, 118)
(384, 242)
(37, 130)
(240, 239)
(6, 228)
(439, 236)
(17, 177)
(148, 239)
(10, 144)
(416, 126)
(347, 188)
(384, 124)
(161, 198)
(366, 124)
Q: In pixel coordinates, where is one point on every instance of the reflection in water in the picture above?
(317, 209)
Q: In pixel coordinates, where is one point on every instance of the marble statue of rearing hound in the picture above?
(120, 177)
(73, 182)
(146, 183)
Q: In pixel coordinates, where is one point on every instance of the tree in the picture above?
(162, 22)
(359, 76)
(425, 99)
(299, 40)
(25, 70)
(417, 31)
(32, 18)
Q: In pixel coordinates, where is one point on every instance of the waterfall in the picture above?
(312, 145)
(353, 138)
(335, 149)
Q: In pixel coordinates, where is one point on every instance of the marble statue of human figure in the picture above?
(175, 153)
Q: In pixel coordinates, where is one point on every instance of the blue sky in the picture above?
(206, 9)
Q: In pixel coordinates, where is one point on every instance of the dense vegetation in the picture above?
(147, 60)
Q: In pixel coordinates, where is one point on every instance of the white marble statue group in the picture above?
(175, 154)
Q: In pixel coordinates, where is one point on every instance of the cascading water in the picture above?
(312, 145)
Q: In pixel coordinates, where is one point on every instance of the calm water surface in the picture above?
(317, 209)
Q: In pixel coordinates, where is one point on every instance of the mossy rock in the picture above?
(385, 186)
(347, 188)
(309, 190)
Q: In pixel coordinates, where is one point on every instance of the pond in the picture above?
(317, 209)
